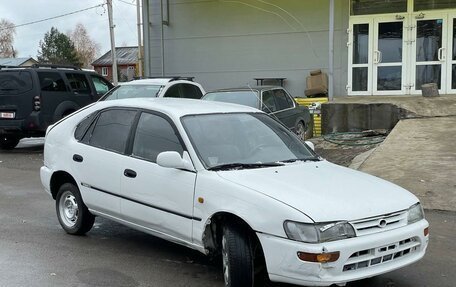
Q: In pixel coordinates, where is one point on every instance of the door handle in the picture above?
(130, 173)
(377, 57)
(77, 158)
(440, 55)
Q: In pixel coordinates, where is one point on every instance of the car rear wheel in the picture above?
(8, 142)
(73, 214)
(237, 256)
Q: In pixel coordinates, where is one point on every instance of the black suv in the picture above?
(33, 98)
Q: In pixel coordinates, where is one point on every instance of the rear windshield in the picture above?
(15, 82)
(246, 98)
(133, 91)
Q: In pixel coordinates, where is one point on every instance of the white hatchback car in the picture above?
(229, 179)
(157, 87)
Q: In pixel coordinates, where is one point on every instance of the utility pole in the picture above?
(113, 44)
(138, 20)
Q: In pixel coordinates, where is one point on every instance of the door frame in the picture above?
(413, 64)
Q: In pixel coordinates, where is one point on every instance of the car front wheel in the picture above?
(237, 256)
(73, 215)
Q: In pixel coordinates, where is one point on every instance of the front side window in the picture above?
(78, 83)
(133, 91)
(154, 135)
(51, 82)
(101, 86)
(243, 138)
(246, 98)
(111, 130)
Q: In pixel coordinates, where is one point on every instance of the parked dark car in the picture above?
(35, 97)
(274, 100)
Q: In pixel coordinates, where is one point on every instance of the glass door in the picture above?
(429, 51)
(360, 57)
(389, 56)
(451, 56)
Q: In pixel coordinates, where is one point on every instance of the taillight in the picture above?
(36, 103)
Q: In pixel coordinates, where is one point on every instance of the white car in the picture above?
(158, 87)
(229, 179)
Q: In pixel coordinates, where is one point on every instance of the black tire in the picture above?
(8, 142)
(74, 216)
(237, 257)
(310, 128)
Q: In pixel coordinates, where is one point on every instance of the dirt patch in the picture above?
(339, 154)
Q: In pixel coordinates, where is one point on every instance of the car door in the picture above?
(155, 197)
(97, 158)
(286, 111)
(80, 88)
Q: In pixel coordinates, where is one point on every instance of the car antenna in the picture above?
(261, 103)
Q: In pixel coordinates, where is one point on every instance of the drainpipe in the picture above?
(331, 51)
(162, 40)
(146, 34)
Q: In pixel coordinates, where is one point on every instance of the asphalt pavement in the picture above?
(35, 251)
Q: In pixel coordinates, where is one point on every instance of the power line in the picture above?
(51, 18)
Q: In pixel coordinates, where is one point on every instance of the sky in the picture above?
(95, 20)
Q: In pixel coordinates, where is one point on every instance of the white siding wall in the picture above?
(228, 43)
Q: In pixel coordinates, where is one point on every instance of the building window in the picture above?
(367, 7)
(420, 5)
(104, 71)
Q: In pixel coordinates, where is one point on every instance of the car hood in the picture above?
(325, 191)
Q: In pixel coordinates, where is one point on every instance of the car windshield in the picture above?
(243, 140)
(133, 91)
(246, 98)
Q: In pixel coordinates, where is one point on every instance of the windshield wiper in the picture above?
(239, 165)
(300, 159)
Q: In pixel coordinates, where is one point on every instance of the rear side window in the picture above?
(191, 91)
(51, 82)
(173, 92)
(15, 82)
(112, 129)
(83, 126)
(282, 100)
(153, 136)
(78, 83)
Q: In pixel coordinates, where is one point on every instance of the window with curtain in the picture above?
(368, 7)
(420, 5)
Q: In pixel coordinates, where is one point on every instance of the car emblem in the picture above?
(382, 223)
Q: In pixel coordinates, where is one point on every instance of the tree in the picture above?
(7, 32)
(57, 48)
(86, 48)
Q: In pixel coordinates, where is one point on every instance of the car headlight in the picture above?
(319, 232)
(415, 213)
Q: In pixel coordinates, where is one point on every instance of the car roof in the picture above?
(156, 81)
(254, 88)
(178, 107)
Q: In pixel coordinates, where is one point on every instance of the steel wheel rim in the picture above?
(68, 209)
(226, 267)
(300, 131)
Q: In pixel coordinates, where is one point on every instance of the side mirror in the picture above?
(310, 144)
(172, 159)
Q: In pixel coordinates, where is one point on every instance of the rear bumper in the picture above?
(45, 176)
(30, 126)
(284, 266)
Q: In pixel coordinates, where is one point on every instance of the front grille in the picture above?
(380, 223)
(381, 255)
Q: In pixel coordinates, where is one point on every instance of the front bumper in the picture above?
(45, 176)
(360, 257)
